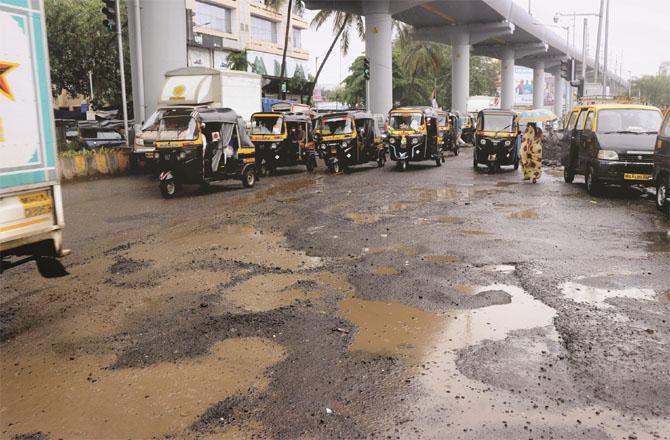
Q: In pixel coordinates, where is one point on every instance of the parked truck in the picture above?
(31, 210)
(197, 87)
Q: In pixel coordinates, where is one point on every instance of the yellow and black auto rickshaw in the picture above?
(350, 138)
(203, 146)
(468, 128)
(495, 139)
(283, 140)
(414, 136)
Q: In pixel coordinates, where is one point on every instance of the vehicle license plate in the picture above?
(333, 150)
(492, 157)
(631, 176)
(149, 155)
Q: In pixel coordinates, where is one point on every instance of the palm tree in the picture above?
(420, 59)
(343, 24)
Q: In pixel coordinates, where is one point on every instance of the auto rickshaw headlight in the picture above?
(392, 140)
(508, 143)
(182, 155)
(322, 146)
(273, 146)
(415, 141)
(482, 142)
(345, 145)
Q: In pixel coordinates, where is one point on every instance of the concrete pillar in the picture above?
(163, 45)
(378, 49)
(558, 93)
(460, 72)
(507, 78)
(538, 85)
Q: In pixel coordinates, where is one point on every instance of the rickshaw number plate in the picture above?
(631, 176)
(149, 155)
(167, 157)
(333, 150)
(492, 157)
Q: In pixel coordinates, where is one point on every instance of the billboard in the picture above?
(523, 87)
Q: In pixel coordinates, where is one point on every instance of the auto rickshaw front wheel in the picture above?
(335, 167)
(168, 188)
(402, 164)
(311, 164)
(568, 174)
(456, 150)
(249, 178)
(381, 160)
(438, 161)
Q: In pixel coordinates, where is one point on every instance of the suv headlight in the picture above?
(608, 155)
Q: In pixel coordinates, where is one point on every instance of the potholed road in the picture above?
(434, 303)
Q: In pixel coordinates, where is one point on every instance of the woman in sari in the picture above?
(531, 153)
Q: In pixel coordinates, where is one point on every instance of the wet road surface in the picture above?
(435, 303)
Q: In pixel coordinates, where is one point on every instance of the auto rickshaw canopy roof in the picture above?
(423, 109)
(222, 115)
(356, 115)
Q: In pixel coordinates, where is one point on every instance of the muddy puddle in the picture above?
(598, 296)
(448, 219)
(384, 270)
(80, 398)
(664, 298)
(474, 232)
(451, 259)
(505, 183)
(441, 195)
(527, 214)
(271, 291)
(403, 249)
(363, 218)
(234, 242)
(501, 268)
(397, 207)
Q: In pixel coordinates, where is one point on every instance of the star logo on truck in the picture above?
(5, 68)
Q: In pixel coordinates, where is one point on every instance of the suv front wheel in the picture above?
(662, 184)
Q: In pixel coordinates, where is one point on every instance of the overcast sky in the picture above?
(638, 35)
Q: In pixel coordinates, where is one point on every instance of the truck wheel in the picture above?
(168, 188)
(50, 267)
(662, 194)
(249, 178)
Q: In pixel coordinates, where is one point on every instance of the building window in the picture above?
(209, 16)
(263, 30)
(297, 38)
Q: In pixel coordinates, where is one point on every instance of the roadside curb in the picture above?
(108, 163)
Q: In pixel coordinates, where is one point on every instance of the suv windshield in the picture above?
(177, 128)
(497, 123)
(336, 126)
(267, 125)
(406, 121)
(628, 120)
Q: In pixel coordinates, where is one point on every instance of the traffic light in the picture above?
(366, 69)
(579, 84)
(110, 15)
(568, 69)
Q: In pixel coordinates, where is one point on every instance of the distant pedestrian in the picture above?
(531, 152)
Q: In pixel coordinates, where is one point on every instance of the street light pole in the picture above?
(598, 41)
(607, 46)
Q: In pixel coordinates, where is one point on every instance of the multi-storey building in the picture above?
(219, 27)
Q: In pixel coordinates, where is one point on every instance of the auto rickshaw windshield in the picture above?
(497, 123)
(628, 120)
(177, 128)
(267, 125)
(442, 119)
(334, 126)
(406, 121)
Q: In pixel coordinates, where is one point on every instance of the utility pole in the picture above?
(607, 46)
(90, 85)
(119, 38)
(140, 63)
(598, 41)
(585, 48)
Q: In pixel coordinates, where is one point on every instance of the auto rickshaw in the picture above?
(350, 138)
(283, 140)
(203, 146)
(495, 139)
(413, 136)
(468, 129)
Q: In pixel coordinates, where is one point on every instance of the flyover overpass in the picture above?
(495, 28)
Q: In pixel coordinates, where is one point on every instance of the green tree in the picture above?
(238, 61)
(484, 73)
(79, 43)
(653, 89)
